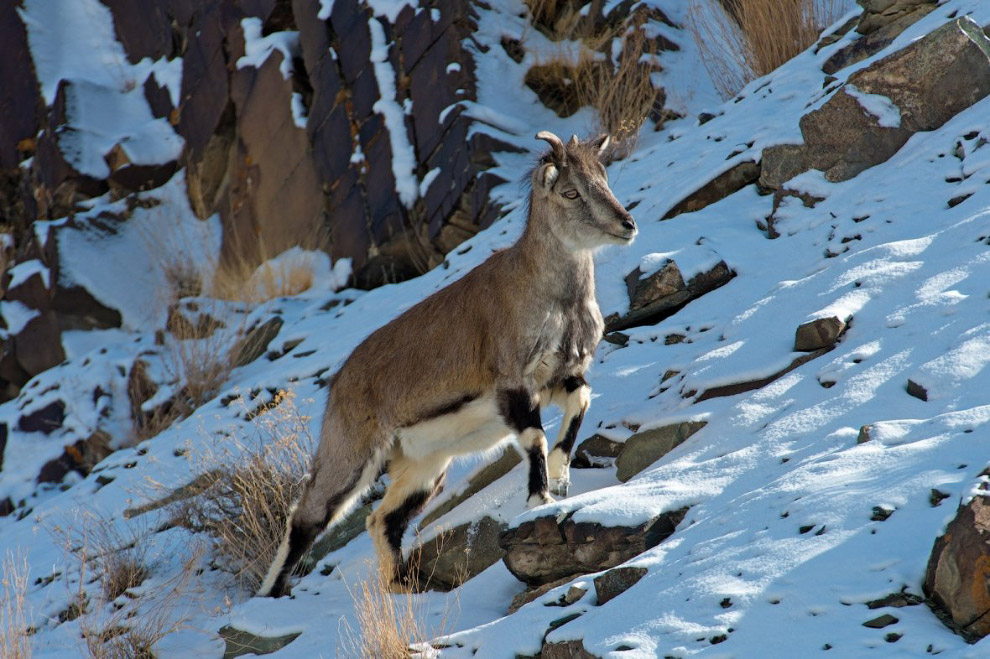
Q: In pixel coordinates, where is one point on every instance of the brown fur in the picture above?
(522, 321)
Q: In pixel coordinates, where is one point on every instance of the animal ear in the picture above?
(548, 175)
(559, 155)
(601, 143)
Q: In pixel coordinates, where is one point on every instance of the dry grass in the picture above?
(122, 619)
(15, 640)
(611, 72)
(245, 506)
(756, 37)
(252, 274)
(390, 625)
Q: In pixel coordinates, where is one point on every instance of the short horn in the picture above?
(555, 143)
(574, 141)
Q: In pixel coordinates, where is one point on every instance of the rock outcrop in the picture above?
(551, 548)
(872, 115)
(957, 581)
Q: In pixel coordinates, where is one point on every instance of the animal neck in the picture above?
(557, 265)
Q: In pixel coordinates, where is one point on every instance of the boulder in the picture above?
(46, 419)
(38, 345)
(917, 88)
(644, 290)
(240, 642)
(549, 548)
(644, 448)
(456, 555)
(957, 580)
(818, 333)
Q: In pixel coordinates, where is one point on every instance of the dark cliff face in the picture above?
(286, 152)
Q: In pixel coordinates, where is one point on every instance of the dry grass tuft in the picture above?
(611, 72)
(245, 505)
(390, 625)
(14, 634)
(754, 37)
(255, 274)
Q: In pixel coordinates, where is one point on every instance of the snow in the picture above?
(257, 48)
(888, 115)
(15, 316)
(778, 554)
(403, 156)
(23, 271)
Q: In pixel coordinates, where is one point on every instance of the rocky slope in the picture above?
(789, 402)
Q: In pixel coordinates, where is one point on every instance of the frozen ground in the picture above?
(778, 554)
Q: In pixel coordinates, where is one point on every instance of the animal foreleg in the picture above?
(559, 460)
(521, 411)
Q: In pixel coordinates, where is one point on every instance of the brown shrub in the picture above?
(754, 37)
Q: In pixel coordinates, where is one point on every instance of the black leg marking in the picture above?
(520, 410)
(538, 482)
(573, 382)
(567, 443)
(397, 520)
(449, 408)
(333, 503)
(301, 537)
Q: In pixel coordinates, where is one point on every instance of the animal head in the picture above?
(571, 186)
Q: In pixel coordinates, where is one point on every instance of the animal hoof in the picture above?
(559, 486)
(539, 500)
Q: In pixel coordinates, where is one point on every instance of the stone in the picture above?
(596, 451)
(531, 594)
(78, 309)
(819, 333)
(665, 305)
(781, 163)
(38, 345)
(23, 107)
(864, 434)
(549, 548)
(916, 390)
(255, 342)
(957, 579)
(896, 600)
(477, 482)
(617, 581)
(566, 650)
(872, 43)
(878, 14)
(644, 448)
(45, 419)
(454, 556)
(720, 187)
(929, 81)
(80, 457)
(240, 642)
(662, 283)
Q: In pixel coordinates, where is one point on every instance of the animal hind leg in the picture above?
(558, 462)
(313, 513)
(413, 482)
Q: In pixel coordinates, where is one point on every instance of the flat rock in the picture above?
(45, 419)
(818, 333)
(240, 642)
(720, 187)
(957, 580)
(550, 548)
(662, 283)
(644, 448)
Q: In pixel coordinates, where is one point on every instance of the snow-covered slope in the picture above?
(779, 552)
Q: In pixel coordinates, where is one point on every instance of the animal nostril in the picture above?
(629, 224)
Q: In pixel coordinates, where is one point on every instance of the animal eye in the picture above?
(571, 194)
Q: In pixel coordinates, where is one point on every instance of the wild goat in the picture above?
(469, 366)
